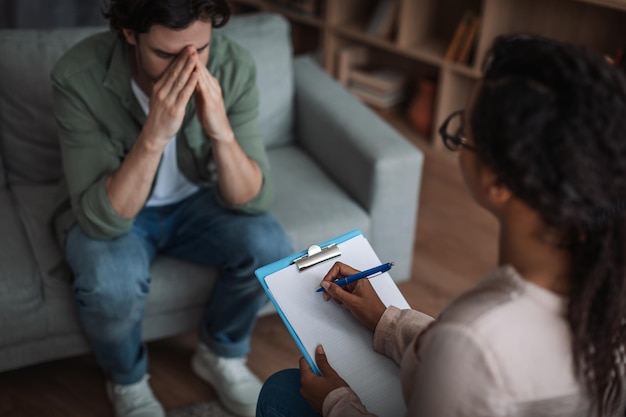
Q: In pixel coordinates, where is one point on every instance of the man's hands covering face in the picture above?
(187, 76)
(210, 106)
(170, 95)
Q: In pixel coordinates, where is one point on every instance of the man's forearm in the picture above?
(239, 177)
(128, 186)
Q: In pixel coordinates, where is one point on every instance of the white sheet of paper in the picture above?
(347, 343)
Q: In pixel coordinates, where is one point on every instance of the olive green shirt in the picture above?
(99, 120)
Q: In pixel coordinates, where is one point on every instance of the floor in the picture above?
(455, 244)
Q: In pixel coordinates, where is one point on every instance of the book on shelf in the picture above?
(469, 41)
(375, 98)
(383, 20)
(455, 43)
(463, 40)
(348, 58)
(382, 80)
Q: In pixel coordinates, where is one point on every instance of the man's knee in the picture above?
(111, 278)
(112, 292)
(268, 241)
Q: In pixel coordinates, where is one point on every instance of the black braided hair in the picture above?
(140, 15)
(550, 120)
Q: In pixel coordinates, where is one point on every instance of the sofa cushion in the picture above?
(20, 284)
(268, 39)
(295, 174)
(34, 207)
(3, 178)
(3, 181)
(175, 284)
(27, 126)
(21, 298)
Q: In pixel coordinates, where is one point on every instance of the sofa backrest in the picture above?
(268, 38)
(28, 137)
(27, 128)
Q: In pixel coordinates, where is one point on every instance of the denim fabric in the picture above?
(280, 397)
(112, 277)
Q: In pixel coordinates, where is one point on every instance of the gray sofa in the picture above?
(337, 167)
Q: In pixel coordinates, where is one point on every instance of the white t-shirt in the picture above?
(171, 185)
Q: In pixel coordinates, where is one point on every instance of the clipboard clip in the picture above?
(315, 255)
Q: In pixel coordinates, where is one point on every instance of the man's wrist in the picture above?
(151, 143)
(228, 137)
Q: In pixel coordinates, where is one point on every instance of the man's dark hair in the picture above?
(140, 15)
(550, 121)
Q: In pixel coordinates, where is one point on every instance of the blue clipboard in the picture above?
(281, 264)
(291, 286)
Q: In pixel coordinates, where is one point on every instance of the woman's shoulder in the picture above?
(501, 295)
(520, 330)
(494, 291)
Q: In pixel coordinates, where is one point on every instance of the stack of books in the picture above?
(348, 58)
(381, 88)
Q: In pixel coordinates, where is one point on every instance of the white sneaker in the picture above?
(135, 400)
(236, 386)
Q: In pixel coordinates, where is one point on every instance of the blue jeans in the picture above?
(280, 397)
(112, 277)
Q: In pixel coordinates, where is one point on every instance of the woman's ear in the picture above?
(496, 193)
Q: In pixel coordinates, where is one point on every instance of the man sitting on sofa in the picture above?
(162, 154)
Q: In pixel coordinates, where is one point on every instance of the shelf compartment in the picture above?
(376, 60)
(429, 53)
(578, 22)
(351, 13)
(430, 25)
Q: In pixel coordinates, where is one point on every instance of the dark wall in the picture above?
(44, 14)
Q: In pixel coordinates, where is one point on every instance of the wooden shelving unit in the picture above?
(424, 28)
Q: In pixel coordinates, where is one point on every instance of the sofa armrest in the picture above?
(372, 162)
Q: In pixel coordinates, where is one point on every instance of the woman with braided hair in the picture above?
(542, 147)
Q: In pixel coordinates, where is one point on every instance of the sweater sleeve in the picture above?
(397, 329)
(393, 335)
(88, 157)
(343, 402)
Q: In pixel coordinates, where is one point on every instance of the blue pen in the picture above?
(360, 275)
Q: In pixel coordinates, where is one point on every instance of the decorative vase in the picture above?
(420, 111)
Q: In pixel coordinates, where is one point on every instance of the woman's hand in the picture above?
(358, 297)
(315, 388)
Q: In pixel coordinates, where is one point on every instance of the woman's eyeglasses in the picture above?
(451, 132)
